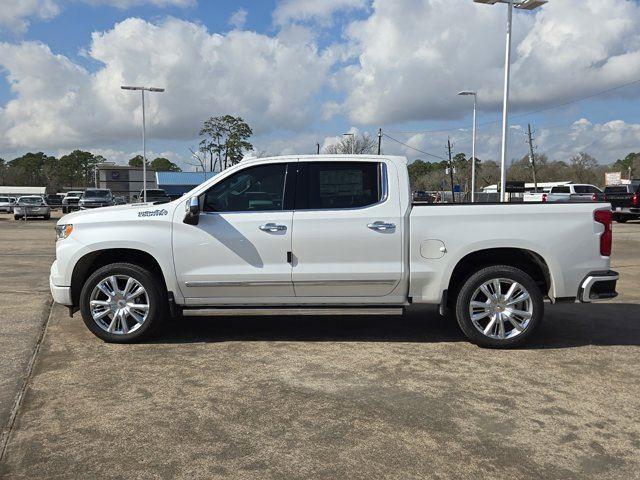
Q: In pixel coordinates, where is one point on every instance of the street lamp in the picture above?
(522, 5)
(353, 141)
(473, 143)
(144, 142)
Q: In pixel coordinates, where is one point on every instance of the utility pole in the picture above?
(379, 140)
(533, 160)
(449, 147)
(318, 148)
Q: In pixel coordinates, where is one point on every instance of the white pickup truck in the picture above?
(331, 235)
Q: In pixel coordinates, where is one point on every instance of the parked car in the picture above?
(95, 198)
(31, 206)
(422, 196)
(6, 205)
(574, 193)
(320, 235)
(625, 201)
(155, 195)
(54, 200)
(71, 200)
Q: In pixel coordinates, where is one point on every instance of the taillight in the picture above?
(544, 198)
(594, 198)
(606, 239)
(636, 200)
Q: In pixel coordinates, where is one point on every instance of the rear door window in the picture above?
(560, 190)
(339, 185)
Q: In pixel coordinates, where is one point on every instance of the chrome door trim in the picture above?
(236, 284)
(302, 282)
(343, 282)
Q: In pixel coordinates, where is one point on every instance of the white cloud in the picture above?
(606, 141)
(313, 10)
(238, 18)
(269, 81)
(16, 15)
(413, 56)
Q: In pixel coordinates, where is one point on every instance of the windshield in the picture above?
(31, 200)
(96, 194)
(74, 194)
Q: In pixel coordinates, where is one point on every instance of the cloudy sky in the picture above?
(305, 71)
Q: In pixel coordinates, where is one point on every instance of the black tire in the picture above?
(65, 210)
(157, 300)
(474, 282)
(622, 220)
(17, 217)
(47, 217)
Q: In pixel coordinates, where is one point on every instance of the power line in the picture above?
(413, 148)
(532, 112)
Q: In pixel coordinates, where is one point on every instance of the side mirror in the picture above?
(193, 211)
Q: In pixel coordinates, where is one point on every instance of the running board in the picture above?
(272, 312)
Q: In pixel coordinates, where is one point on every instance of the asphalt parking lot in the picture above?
(326, 398)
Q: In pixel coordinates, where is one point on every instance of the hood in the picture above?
(128, 212)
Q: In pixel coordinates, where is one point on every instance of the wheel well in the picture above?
(95, 260)
(526, 260)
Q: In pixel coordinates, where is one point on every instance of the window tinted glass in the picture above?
(4, 199)
(615, 190)
(342, 185)
(586, 189)
(253, 189)
(560, 190)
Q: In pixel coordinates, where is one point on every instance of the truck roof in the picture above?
(337, 158)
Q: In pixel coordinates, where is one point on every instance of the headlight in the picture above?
(63, 231)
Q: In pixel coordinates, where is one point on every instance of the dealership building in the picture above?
(123, 180)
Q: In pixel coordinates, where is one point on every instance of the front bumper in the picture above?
(60, 294)
(598, 286)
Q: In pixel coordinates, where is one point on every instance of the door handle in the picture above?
(272, 227)
(382, 226)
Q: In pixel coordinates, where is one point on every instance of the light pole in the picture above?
(473, 143)
(523, 5)
(144, 140)
(353, 141)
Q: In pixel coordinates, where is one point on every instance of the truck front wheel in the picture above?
(499, 307)
(122, 303)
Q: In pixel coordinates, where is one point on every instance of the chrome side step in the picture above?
(278, 311)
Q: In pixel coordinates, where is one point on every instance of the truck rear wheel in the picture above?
(122, 303)
(499, 307)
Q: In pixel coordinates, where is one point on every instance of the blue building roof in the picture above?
(190, 179)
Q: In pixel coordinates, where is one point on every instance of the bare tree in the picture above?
(198, 159)
(359, 145)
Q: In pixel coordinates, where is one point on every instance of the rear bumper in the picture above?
(598, 286)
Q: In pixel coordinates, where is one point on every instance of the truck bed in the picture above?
(559, 233)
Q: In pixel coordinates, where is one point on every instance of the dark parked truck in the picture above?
(156, 195)
(625, 201)
(96, 197)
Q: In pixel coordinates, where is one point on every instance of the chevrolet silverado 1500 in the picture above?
(332, 235)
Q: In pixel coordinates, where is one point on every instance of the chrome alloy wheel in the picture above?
(119, 304)
(501, 308)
